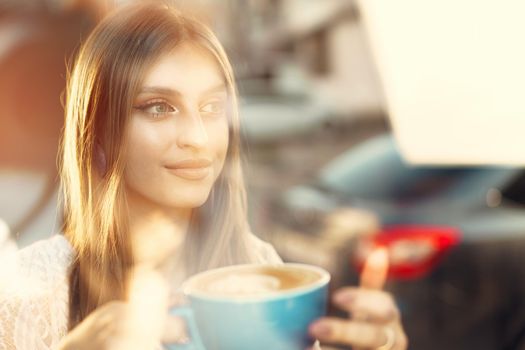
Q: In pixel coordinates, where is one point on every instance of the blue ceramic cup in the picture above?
(256, 307)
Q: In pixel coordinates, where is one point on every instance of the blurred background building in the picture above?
(37, 38)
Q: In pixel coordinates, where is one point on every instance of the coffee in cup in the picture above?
(254, 281)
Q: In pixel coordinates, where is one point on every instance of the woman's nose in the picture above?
(193, 134)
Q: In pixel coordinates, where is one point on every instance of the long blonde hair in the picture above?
(101, 87)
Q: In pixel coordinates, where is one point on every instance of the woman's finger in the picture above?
(175, 331)
(375, 271)
(370, 305)
(355, 333)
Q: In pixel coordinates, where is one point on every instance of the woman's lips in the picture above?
(191, 169)
(191, 173)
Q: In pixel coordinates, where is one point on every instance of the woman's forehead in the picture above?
(188, 69)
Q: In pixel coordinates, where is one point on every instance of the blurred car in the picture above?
(456, 238)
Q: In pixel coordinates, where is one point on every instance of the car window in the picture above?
(515, 191)
(375, 170)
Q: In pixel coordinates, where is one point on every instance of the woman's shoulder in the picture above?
(42, 264)
(265, 253)
(54, 253)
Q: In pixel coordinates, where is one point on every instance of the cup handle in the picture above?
(195, 342)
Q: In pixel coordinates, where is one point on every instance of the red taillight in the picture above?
(413, 249)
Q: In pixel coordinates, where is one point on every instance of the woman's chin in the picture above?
(190, 202)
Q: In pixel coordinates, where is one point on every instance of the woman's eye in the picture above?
(213, 107)
(158, 108)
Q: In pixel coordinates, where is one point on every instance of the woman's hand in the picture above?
(136, 324)
(105, 328)
(374, 321)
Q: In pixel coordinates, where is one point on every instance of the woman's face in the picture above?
(178, 132)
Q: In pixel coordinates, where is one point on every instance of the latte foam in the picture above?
(253, 280)
(244, 284)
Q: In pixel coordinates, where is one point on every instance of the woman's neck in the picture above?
(157, 234)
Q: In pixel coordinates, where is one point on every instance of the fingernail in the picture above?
(320, 329)
(392, 314)
(344, 298)
(184, 340)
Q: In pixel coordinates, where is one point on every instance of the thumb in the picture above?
(148, 302)
(375, 270)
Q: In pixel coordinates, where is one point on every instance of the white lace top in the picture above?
(34, 293)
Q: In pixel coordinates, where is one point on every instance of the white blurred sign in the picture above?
(453, 73)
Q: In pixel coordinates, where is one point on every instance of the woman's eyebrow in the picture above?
(172, 92)
(160, 90)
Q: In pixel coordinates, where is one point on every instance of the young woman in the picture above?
(152, 182)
